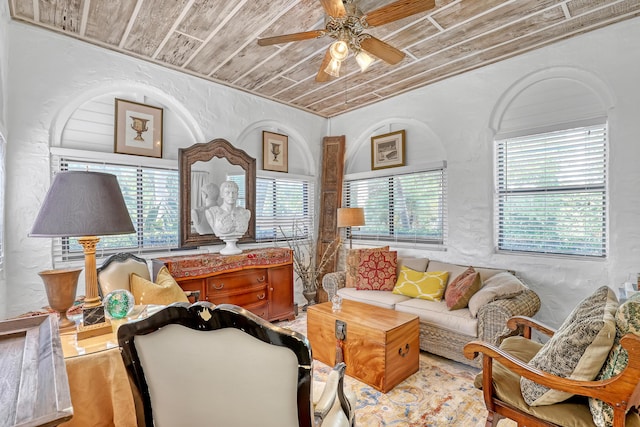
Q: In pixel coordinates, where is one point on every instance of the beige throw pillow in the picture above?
(577, 350)
(165, 291)
(501, 285)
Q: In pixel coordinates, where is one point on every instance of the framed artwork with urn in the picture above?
(275, 155)
(138, 129)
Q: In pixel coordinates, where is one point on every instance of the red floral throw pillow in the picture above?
(377, 271)
(462, 288)
(353, 261)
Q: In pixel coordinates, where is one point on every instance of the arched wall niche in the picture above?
(299, 151)
(546, 99)
(87, 121)
(422, 144)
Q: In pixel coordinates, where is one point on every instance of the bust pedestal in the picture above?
(231, 247)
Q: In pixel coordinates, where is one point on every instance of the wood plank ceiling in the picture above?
(216, 40)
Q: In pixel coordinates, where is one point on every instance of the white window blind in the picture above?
(152, 197)
(403, 208)
(551, 192)
(281, 205)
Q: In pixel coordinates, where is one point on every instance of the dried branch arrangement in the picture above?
(304, 247)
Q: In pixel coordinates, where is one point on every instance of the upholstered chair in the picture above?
(115, 272)
(204, 365)
(523, 379)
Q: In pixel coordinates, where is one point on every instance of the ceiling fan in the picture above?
(346, 23)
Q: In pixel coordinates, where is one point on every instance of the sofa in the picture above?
(444, 331)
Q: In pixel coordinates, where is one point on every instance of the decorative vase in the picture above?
(61, 288)
(310, 296)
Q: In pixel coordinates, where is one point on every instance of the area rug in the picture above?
(441, 393)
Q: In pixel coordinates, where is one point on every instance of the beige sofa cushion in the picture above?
(417, 264)
(455, 269)
(438, 314)
(379, 298)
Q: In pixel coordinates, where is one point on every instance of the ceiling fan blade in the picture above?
(334, 8)
(382, 50)
(322, 76)
(294, 37)
(398, 10)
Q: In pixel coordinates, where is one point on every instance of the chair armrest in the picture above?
(333, 389)
(621, 391)
(493, 316)
(331, 282)
(527, 324)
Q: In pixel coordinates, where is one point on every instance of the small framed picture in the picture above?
(138, 129)
(275, 155)
(387, 151)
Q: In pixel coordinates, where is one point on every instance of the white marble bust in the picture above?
(210, 193)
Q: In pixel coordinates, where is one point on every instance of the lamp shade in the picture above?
(83, 203)
(350, 217)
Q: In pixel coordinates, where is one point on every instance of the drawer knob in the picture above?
(405, 352)
(218, 287)
(262, 296)
(261, 279)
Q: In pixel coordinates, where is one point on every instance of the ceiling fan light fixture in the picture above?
(339, 50)
(333, 69)
(364, 60)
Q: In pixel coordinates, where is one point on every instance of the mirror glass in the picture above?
(203, 168)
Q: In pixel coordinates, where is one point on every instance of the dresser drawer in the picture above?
(236, 280)
(252, 295)
(260, 309)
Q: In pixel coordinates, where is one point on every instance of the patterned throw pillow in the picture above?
(165, 291)
(424, 285)
(578, 349)
(627, 321)
(462, 288)
(353, 261)
(377, 271)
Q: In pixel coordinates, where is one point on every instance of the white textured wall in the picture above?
(51, 76)
(454, 118)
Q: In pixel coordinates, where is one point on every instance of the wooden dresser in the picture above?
(260, 280)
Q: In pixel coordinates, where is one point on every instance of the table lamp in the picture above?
(85, 205)
(350, 217)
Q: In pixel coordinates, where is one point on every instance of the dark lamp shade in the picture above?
(83, 204)
(350, 217)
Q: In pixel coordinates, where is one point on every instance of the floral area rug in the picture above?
(441, 393)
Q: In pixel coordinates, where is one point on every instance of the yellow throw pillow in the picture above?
(165, 291)
(428, 285)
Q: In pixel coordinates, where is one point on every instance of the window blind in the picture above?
(404, 208)
(551, 192)
(152, 198)
(283, 205)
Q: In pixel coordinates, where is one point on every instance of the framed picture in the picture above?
(275, 155)
(387, 151)
(138, 129)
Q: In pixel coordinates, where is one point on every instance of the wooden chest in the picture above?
(381, 346)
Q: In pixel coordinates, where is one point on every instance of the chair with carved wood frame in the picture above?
(116, 270)
(500, 383)
(202, 364)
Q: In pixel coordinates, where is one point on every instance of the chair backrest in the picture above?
(115, 271)
(200, 365)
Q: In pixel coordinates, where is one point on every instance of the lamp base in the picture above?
(94, 322)
(88, 331)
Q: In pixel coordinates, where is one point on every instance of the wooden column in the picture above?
(330, 200)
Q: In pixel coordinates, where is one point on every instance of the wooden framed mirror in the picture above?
(209, 163)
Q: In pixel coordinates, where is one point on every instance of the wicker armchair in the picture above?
(492, 322)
